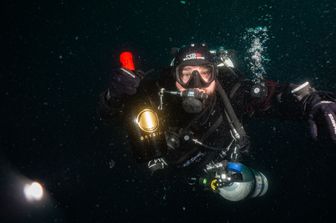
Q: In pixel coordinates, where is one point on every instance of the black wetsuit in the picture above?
(211, 126)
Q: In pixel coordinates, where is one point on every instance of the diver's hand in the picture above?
(322, 119)
(124, 81)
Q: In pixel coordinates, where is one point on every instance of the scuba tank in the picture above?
(234, 181)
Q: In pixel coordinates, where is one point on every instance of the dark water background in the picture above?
(55, 59)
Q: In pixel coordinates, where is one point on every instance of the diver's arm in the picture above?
(122, 85)
(292, 100)
(304, 102)
(272, 102)
(109, 107)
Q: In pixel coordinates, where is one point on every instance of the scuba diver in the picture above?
(189, 116)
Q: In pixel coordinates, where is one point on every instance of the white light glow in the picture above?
(33, 191)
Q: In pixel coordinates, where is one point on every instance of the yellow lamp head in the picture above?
(147, 120)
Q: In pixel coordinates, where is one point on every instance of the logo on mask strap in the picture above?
(193, 56)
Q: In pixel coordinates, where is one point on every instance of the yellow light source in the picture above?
(148, 120)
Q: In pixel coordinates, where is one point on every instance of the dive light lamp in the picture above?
(146, 134)
(148, 121)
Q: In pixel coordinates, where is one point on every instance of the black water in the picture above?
(55, 60)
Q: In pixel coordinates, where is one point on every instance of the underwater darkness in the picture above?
(56, 57)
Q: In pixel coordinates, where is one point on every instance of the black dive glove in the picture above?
(320, 110)
(321, 117)
(124, 82)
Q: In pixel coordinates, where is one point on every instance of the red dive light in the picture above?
(126, 60)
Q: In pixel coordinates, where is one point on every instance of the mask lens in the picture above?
(205, 72)
(185, 74)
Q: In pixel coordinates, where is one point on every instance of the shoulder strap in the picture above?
(234, 89)
(230, 114)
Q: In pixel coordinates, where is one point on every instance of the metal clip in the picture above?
(234, 154)
(161, 92)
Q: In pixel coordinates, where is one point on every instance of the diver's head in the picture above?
(194, 70)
